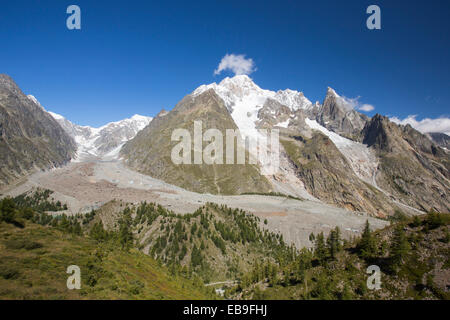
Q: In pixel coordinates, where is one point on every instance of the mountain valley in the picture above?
(338, 170)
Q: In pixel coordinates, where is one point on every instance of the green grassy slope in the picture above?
(215, 243)
(34, 259)
(36, 249)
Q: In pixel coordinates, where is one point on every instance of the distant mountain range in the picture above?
(32, 138)
(329, 150)
(105, 141)
(441, 139)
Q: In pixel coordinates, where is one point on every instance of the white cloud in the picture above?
(349, 103)
(441, 124)
(366, 107)
(238, 64)
(354, 103)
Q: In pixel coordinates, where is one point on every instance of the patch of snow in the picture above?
(293, 99)
(338, 140)
(283, 124)
(331, 91)
(56, 116)
(35, 101)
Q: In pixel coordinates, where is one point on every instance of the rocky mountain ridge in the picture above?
(328, 152)
(30, 139)
(441, 139)
(412, 167)
(351, 137)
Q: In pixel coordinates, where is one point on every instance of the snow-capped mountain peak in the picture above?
(332, 92)
(241, 87)
(243, 99)
(293, 99)
(233, 90)
(105, 140)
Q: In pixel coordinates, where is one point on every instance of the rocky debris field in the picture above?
(89, 185)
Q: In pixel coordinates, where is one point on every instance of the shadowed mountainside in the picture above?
(30, 139)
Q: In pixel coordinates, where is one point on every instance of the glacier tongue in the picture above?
(104, 142)
(362, 159)
(243, 98)
(338, 140)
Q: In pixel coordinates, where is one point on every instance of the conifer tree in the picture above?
(367, 246)
(320, 249)
(400, 246)
(334, 242)
(7, 210)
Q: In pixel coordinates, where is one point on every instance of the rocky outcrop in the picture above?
(412, 168)
(272, 114)
(336, 115)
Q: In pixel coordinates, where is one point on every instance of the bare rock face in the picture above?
(328, 175)
(337, 116)
(439, 138)
(30, 139)
(150, 151)
(162, 113)
(411, 167)
(273, 113)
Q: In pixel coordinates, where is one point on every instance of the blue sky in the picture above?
(140, 56)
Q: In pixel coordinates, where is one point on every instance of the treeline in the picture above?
(103, 256)
(39, 200)
(192, 243)
(17, 212)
